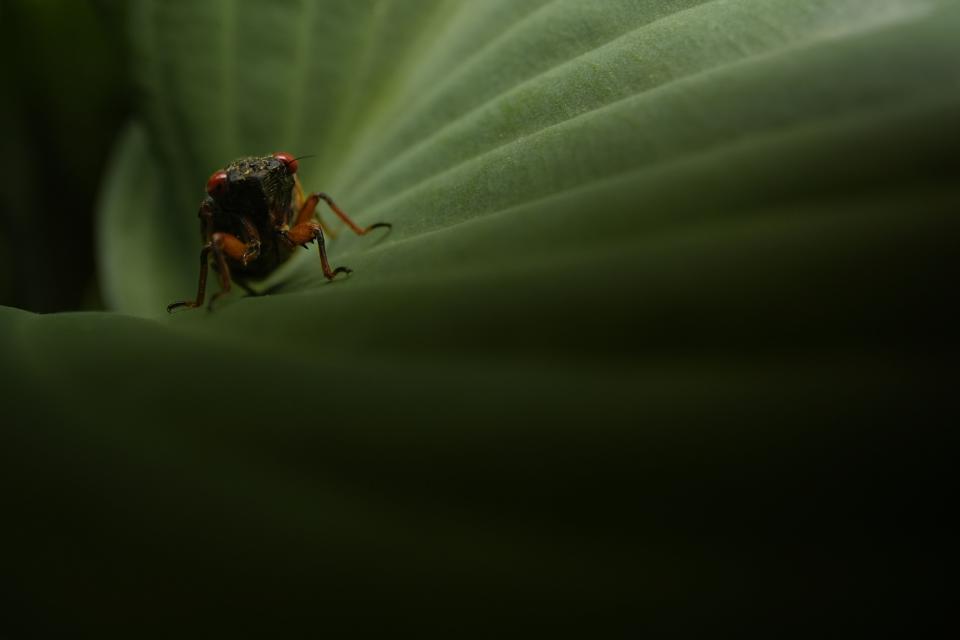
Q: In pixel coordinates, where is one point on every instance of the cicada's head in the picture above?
(255, 186)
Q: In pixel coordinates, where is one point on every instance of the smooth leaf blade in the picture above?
(646, 62)
(621, 87)
(666, 300)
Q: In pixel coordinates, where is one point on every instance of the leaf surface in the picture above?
(657, 268)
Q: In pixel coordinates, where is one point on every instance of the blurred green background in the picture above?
(67, 94)
(661, 340)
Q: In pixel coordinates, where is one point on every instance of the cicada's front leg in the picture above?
(221, 245)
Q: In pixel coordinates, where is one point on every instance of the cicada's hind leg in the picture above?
(308, 205)
(304, 212)
(360, 231)
(308, 227)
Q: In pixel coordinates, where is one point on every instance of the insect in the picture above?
(254, 216)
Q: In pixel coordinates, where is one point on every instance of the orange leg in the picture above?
(308, 207)
(201, 287)
(360, 231)
(222, 245)
(226, 244)
(306, 232)
(300, 204)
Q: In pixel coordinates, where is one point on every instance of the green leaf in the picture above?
(139, 251)
(449, 113)
(657, 268)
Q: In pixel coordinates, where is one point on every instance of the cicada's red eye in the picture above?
(217, 184)
(288, 160)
